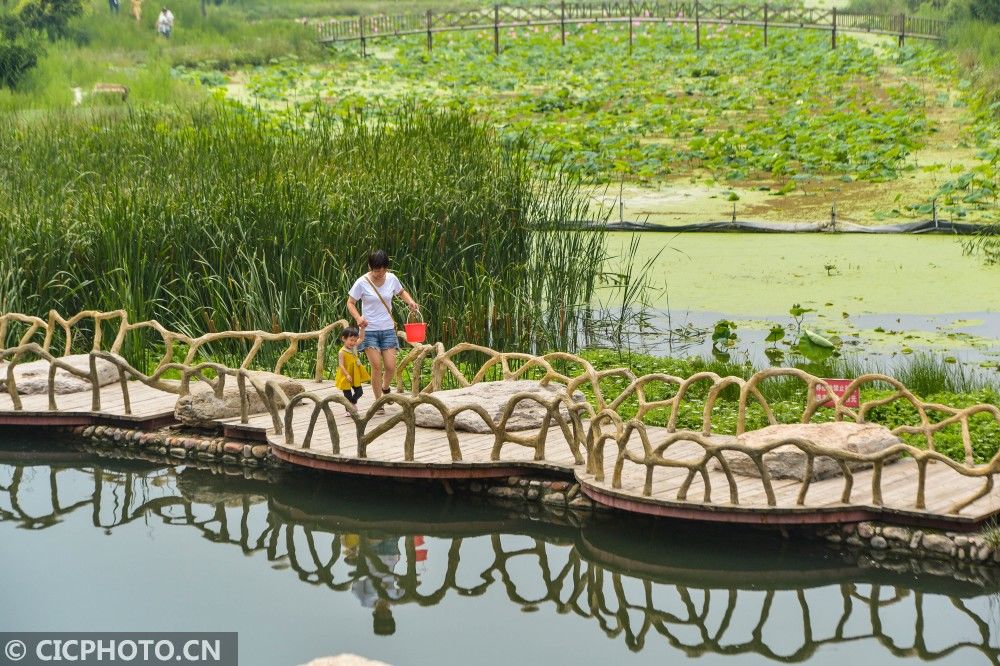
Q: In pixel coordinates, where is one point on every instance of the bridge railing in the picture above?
(56, 338)
(589, 410)
(365, 28)
(620, 408)
(60, 336)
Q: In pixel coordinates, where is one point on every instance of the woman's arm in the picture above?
(405, 295)
(353, 309)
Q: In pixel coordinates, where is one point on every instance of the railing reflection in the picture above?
(420, 560)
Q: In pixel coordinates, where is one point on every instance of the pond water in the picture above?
(304, 565)
(885, 296)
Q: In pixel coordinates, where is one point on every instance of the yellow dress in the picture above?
(356, 372)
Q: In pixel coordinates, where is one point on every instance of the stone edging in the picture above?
(896, 540)
(179, 444)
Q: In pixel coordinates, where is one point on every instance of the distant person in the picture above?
(114, 6)
(165, 23)
(137, 10)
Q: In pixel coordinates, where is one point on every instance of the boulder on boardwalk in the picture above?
(789, 461)
(201, 407)
(493, 397)
(32, 378)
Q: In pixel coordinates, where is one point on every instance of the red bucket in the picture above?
(416, 331)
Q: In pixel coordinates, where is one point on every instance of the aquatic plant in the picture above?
(216, 218)
(793, 110)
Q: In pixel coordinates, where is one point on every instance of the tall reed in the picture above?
(216, 218)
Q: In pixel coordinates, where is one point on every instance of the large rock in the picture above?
(201, 407)
(789, 461)
(493, 397)
(32, 378)
(345, 659)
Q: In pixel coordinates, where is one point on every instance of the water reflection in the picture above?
(701, 592)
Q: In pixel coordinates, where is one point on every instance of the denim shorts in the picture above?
(381, 340)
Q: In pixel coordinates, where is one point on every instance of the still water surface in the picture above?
(884, 295)
(305, 565)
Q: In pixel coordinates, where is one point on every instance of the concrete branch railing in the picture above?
(213, 374)
(618, 409)
(592, 425)
(70, 330)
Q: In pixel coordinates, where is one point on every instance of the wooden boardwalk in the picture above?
(433, 458)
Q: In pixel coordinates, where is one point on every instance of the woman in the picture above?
(375, 290)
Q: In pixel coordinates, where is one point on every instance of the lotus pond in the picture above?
(302, 566)
(783, 132)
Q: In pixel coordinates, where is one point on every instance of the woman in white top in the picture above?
(375, 290)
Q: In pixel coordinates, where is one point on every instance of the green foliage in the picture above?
(50, 16)
(724, 334)
(734, 108)
(985, 10)
(18, 55)
(217, 218)
(929, 374)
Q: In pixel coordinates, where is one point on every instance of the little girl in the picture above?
(350, 372)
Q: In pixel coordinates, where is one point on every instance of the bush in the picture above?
(985, 10)
(17, 56)
(50, 16)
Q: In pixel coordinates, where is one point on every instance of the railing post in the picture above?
(697, 26)
(902, 30)
(430, 35)
(631, 11)
(562, 22)
(361, 29)
(833, 33)
(496, 29)
(765, 25)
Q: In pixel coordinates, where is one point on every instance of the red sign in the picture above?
(839, 386)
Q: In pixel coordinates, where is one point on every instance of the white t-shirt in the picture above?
(371, 307)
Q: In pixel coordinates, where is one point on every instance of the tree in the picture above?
(985, 10)
(50, 16)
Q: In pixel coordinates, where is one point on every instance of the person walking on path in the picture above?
(375, 291)
(165, 23)
(137, 10)
(350, 372)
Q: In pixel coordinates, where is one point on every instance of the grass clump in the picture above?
(215, 218)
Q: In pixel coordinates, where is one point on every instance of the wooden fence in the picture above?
(633, 13)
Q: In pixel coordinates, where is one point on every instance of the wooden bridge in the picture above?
(618, 435)
(695, 13)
